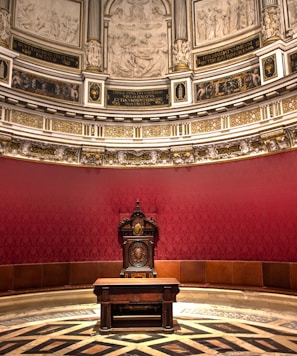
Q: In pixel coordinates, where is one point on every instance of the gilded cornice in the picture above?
(161, 92)
(249, 132)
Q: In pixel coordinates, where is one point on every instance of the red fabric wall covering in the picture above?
(244, 210)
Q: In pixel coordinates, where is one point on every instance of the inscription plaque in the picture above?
(138, 97)
(45, 55)
(228, 53)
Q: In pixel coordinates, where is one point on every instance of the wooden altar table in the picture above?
(136, 302)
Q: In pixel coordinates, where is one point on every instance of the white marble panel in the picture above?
(55, 20)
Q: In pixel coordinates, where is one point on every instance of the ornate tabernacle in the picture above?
(138, 234)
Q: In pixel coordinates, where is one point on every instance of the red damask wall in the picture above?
(245, 210)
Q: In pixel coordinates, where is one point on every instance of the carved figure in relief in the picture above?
(122, 62)
(93, 54)
(292, 12)
(251, 12)
(244, 147)
(226, 18)
(210, 24)
(137, 13)
(201, 24)
(137, 41)
(49, 19)
(4, 26)
(181, 53)
(222, 19)
(271, 23)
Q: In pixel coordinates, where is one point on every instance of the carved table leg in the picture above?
(167, 314)
(105, 321)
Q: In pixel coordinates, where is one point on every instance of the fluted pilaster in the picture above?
(181, 51)
(93, 48)
(270, 21)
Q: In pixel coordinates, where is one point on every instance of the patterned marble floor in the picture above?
(200, 329)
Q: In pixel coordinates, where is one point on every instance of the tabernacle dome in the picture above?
(155, 83)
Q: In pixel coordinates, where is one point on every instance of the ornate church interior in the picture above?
(170, 120)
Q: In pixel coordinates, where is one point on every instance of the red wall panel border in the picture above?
(229, 274)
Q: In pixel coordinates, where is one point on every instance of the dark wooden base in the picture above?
(133, 302)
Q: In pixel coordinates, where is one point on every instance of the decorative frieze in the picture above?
(276, 140)
(46, 87)
(156, 131)
(25, 119)
(258, 144)
(68, 127)
(168, 130)
(245, 117)
(92, 156)
(229, 85)
(112, 131)
(289, 104)
(203, 126)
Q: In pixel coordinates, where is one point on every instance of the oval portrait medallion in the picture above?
(138, 254)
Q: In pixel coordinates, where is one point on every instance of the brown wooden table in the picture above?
(136, 302)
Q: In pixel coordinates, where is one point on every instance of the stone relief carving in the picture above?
(274, 141)
(42, 151)
(214, 20)
(290, 9)
(181, 54)
(137, 41)
(271, 23)
(137, 158)
(55, 20)
(277, 140)
(4, 26)
(90, 156)
(93, 57)
(292, 12)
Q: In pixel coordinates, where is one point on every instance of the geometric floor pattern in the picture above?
(199, 329)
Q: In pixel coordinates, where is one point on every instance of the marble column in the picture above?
(4, 23)
(270, 21)
(93, 48)
(181, 50)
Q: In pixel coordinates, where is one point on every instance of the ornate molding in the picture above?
(278, 140)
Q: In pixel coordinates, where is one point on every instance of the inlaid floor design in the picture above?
(200, 329)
